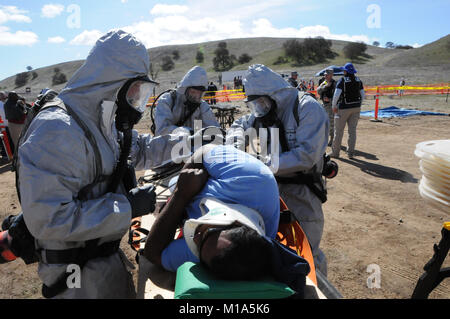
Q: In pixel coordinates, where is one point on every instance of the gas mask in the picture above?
(132, 100)
(194, 96)
(263, 108)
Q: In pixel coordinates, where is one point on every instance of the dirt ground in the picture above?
(374, 213)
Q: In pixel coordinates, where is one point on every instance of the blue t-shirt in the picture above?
(235, 178)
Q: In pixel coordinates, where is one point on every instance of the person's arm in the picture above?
(312, 138)
(362, 92)
(190, 182)
(148, 152)
(321, 88)
(363, 95)
(336, 96)
(236, 133)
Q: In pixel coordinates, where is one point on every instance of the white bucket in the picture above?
(435, 166)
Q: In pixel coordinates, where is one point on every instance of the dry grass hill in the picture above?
(428, 64)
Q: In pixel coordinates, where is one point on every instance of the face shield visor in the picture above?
(195, 94)
(260, 106)
(139, 93)
(132, 100)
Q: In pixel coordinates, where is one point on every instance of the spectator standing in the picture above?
(293, 79)
(347, 101)
(327, 86)
(15, 113)
(212, 89)
(402, 84)
(3, 98)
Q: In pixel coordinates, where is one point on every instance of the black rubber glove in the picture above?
(142, 200)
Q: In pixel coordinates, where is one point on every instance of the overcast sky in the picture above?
(40, 33)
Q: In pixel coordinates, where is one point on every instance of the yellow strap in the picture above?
(296, 240)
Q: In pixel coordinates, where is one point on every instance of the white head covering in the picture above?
(218, 213)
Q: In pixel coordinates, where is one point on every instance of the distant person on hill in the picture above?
(185, 105)
(347, 101)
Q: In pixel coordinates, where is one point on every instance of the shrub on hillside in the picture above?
(200, 57)
(310, 51)
(244, 58)
(281, 60)
(353, 50)
(403, 47)
(390, 45)
(222, 61)
(59, 78)
(167, 63)
(21, 79)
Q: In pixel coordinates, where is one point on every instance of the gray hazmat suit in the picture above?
(307, 144)
(56, 161)
(168, 114)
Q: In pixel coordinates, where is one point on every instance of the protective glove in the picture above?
(142, 200)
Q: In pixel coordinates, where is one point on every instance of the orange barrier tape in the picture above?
(424, 89)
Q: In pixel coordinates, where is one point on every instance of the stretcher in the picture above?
(156, 283)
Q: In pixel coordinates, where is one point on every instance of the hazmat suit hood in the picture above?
(196, 76)
(115, 58)
(261, 80)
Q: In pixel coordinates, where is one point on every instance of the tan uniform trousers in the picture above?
(344, 117)
(15, 130)
(328, 107)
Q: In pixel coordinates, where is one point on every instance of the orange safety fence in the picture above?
(5, 139)
(423, 89)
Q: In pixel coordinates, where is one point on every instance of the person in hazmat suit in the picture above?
(180, 108)
(296, 155)
(75, 201)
